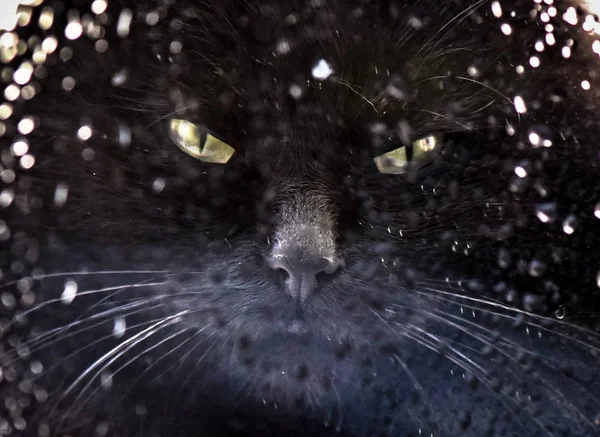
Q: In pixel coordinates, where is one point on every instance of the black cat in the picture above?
(356, 217)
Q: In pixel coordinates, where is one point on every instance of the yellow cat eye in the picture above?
(197, 142)
(420, 153)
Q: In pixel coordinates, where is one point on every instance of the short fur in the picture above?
(458, 309)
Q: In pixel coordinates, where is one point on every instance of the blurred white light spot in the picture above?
(152, 18)
(283, 47)
(570, 16)
(520, 69)
(60, 194)
(6, 197)
(12, 92)
(158, 185)
(506, 29)
(496, 9)
(120, 77)
(6, 111)
(569, 225)
(119, 327)
(534, 139)
(550, 40)
(23, 74)
(84, 133)
(597, 210)
(73, 30)
(521, 172)
(520, 105)
(19, 148)
(534, 61)
(124, 135)
(27, 161)
(124, 22)
(539, 46)
(69, 293)
(295, 91)
(26, 125)
(99, 6)
(49, 44)
(321, 70)
(585, 85)
(68, 83)
(566, 52)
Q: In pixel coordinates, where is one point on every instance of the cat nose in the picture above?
(302, 271)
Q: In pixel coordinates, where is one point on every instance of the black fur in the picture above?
(458, 311)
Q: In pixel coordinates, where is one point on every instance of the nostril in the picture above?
(301, 273)
(282, 273)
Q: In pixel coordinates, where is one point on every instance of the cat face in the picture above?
(345, 216)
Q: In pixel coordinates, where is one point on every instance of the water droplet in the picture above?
(569, 224)
(520, 105)
(69, 293)
(545, 212)
(119, 327)
(561, 312)
(73, 30)
(84, 133)
(321, 70)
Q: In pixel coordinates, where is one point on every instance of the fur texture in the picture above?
(464, 299)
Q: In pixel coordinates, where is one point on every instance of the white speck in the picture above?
(534, 61)
(521, 172)
(597, 210)
(124, 135)
(283, 47)
(473, 71)
(23, 74)
(585, 85)
(520, 69)
(12, 92)
(119, 327)
(73, 30)
(84, 133)
(534, 139)
(26, 125)
(49, 45)
(506, 29)
(321, 70)
(539, 46)
(295, 91)
(19, 148)
(27, 161)
(598, 279)
(69, 293)
(60, 194)
(68, 83)
(570, 16)
(566, 52)
(496, 9)
(569, 225)
(550, 40)
(119, 77)
(6, 197)
(124, 22)
(520, 105)
(158, 185)
(106, 380)
(152, 18)
(99, 6)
